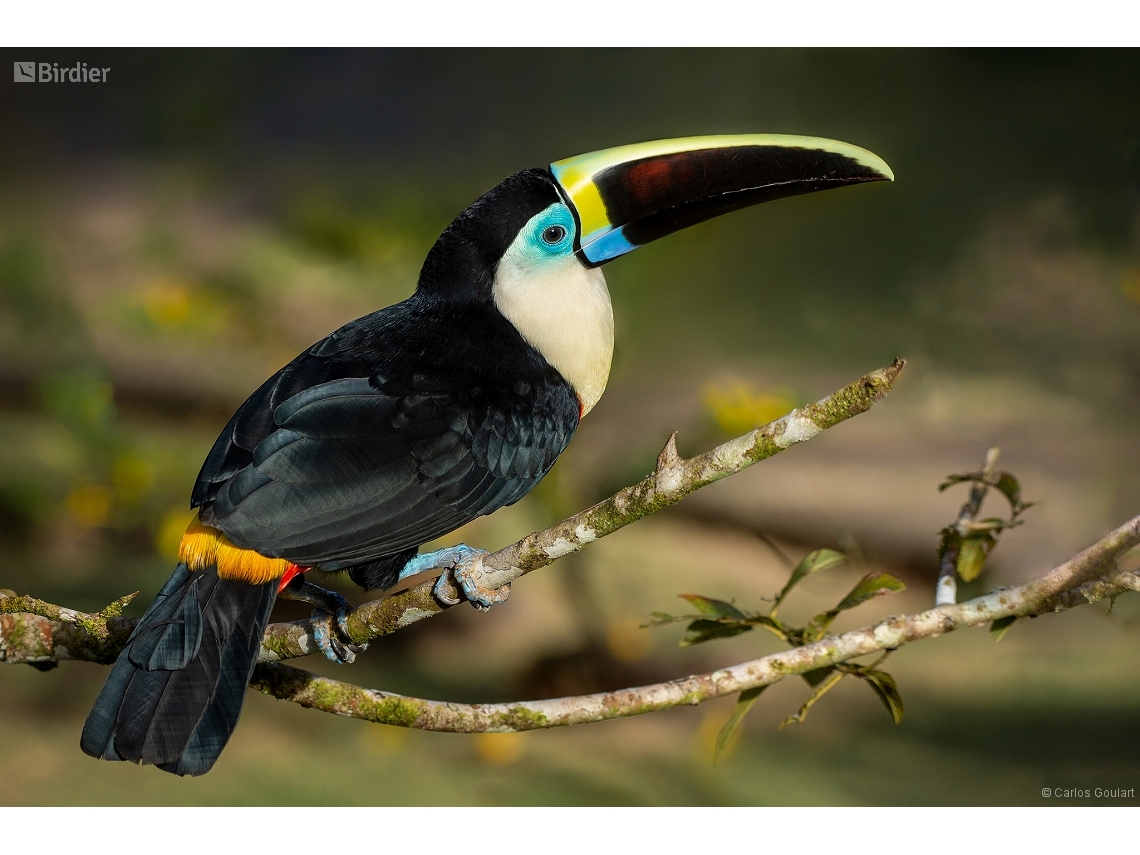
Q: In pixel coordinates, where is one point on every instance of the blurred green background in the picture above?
(170, 238)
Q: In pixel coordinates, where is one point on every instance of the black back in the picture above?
(404, 424)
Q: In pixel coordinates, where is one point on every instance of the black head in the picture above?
(461, 265)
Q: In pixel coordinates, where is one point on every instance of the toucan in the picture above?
(407, 423)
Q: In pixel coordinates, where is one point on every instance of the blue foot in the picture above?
(462, 568)
(326, 639)
(329, 605)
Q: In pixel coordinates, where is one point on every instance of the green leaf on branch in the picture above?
(700, 631)
(885, 687)
(972, 555)
(824, 686)
(1000, 627)
(1004, 482)
(723, 620)
(813, 562)
(664, 619)
(970, 542)
(990, 525)
(961, 478)
(715, 619)
(1009, 488)
(713, 608)
(870, 586)
(743, 704)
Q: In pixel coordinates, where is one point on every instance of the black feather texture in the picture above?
(174, 696)
(402, 425)
(395, 429)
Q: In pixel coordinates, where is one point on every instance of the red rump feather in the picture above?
(291, 573)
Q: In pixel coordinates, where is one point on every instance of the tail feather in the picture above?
(221, 716)
(172, 636)
(99, 729)
(158, 716)
(174, 696)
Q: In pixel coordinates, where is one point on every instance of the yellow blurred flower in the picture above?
(167, 303)
(498, 749)
(739, 407)
(89, 505)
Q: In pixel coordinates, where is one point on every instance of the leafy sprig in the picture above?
(715, 619)
(965, 544)
(974, 540)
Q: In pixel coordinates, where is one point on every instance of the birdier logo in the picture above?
(51, 72)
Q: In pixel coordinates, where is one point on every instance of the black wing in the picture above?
(329, 469)
(253, 422)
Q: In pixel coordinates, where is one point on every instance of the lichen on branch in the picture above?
(1088, 577)
(40, 633)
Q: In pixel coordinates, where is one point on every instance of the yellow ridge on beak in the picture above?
(627, 196)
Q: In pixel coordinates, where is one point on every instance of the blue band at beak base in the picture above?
(607, 246)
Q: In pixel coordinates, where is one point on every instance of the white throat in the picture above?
(563, 311)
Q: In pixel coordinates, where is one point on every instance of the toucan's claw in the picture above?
(329, 605)
(467, 575)
(326, 638)
(442, 589)
(462, 567)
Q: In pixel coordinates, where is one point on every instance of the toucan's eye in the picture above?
(553, 235)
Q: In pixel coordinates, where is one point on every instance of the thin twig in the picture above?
(946, 590)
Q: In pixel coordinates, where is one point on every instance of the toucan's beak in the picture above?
(627, 196)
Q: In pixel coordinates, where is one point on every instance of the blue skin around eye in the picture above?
(556, 215)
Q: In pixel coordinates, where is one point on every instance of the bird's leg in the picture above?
(464, 565)
(329, 605)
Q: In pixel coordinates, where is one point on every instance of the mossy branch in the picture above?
(37, 632)
(672, 479)
(93, 624)
(1088, 577)
(41, 635)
